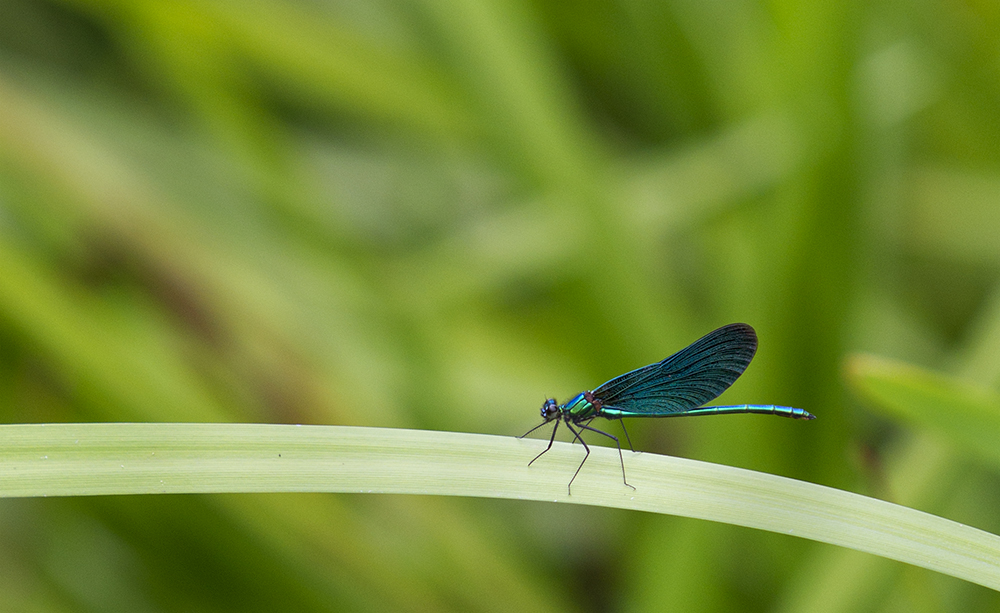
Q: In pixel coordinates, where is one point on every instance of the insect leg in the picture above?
(569, 486)
(552, 438)
(533, 429)
(627, 437)
(615, 439)
(582, 424)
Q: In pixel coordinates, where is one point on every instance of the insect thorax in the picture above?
(582, 406)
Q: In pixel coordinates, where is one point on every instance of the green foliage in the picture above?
(966, 414)
(435, 214)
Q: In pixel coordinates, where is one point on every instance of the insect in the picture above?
(677, 386)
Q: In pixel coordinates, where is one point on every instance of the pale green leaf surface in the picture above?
(103, 459)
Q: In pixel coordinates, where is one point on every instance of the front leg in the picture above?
(551, 438)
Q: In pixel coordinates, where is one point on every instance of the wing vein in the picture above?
(687, 379)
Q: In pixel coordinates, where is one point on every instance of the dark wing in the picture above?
(688, 379)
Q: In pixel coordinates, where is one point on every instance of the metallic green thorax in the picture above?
(582, 406)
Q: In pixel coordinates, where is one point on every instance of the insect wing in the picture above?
(687, 379)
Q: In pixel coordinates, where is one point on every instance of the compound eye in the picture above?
(549, 408)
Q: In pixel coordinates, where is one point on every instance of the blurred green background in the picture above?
(435, 214)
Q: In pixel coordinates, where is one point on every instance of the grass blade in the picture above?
(147, 458)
